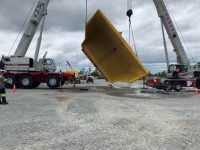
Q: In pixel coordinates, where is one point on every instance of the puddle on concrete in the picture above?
(61, 98)
(139, 94)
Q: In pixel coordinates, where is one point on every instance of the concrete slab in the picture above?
(100, 118)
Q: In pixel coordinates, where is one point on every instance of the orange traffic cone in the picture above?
(14, 88)
(196, 92)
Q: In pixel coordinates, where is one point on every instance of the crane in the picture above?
(18, 62)
(39, 12)
(27, 72)
(184, 64)
(171, 31)
(182, 74)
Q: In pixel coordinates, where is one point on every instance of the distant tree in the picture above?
(82, 71)
(97, 74)
(159, 74)
(150, 74)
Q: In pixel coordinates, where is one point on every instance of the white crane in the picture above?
(182, 59)
(18, 62)
(27, 72)
(171, 30)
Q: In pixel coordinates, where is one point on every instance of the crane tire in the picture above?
(53, 82)
(178, 87)
(26, 82)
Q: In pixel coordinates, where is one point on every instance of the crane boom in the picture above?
(39, 40)
(31, 29)
(171, 31)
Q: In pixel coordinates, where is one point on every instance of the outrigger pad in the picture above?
(109, 52)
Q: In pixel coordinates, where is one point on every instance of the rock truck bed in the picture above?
(109, 52)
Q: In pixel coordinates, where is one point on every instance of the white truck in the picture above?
(27, 72)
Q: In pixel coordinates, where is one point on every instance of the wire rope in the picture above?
(21, 28)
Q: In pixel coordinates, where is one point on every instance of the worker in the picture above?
(175, 73)
(45, 62)
(178, 69)
(1, 65)
(3, 81)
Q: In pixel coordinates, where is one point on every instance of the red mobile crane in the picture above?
(27, 72)
(182, 74)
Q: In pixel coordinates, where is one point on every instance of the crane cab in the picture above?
(47, 65)
(173, 67)
(182, 71)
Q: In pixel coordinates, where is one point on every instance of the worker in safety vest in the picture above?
(3, 81)
(175, 73)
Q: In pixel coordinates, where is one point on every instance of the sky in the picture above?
(64, 29)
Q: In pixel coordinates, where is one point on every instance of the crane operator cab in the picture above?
(47, 64)
(179, 71)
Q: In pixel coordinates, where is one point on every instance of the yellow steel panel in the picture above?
(109, 52)
(74, 72)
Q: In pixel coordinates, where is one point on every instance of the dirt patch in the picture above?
(62, 98)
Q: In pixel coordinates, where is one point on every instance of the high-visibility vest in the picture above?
(2, 81)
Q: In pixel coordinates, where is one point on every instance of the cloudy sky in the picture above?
(64, 28)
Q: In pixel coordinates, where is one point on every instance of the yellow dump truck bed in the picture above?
(109, 52)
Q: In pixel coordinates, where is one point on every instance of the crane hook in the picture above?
(129, 13)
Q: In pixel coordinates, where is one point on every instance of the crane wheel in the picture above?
(11, 79)
(53, 82)
(26, 82)
(178, 87)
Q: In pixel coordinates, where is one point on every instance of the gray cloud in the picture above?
(64, 28)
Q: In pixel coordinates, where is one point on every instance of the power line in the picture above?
(129, 13)
(134, 44)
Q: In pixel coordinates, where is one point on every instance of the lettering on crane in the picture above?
(168, 21)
